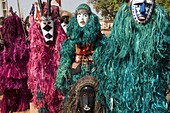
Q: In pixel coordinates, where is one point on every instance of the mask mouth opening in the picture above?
(142, 18)
(82, 22)
(86, 108)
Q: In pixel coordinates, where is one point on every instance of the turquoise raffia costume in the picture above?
(82, 47)
(137, 63)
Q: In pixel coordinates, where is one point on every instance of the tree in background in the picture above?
(165, 4)
(109, 8)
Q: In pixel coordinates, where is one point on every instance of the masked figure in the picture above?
(137, 59)
(82, 97)
(81, 49)
(13, 72)
(85, 41)
(46, 36)
(65, 20)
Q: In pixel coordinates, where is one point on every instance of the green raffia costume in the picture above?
(91, 35)
(137, 63)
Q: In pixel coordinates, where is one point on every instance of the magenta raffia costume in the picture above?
(44, 62)
(13, 71)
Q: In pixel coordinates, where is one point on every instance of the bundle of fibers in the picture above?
(137, 63)
(13, 71)
(42, 68)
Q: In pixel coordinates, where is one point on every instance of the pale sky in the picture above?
(25, 5)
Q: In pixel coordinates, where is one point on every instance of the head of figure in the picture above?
(83, 12)
(141, 10)
(82, 96)
(65, 17)
(87, 99)
(1, 20)
(48, 13)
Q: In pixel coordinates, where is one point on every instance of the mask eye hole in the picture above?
(148, 5)
(49, 22)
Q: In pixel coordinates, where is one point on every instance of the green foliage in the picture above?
(109, 8)
(165, 4)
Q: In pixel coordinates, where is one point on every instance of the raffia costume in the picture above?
(82, 47)
(13, 72)
(137, 63)
(43, 65)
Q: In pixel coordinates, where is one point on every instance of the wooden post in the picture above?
(19, 11)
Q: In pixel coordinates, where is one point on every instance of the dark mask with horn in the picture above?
(47, 24)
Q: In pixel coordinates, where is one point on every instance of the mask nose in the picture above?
(142, 8)
(86, 101)
(81, 17)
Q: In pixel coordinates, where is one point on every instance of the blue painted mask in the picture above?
(142, 10)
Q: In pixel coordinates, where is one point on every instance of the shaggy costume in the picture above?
(13, 71)
(42, 66)
(137, 63)
(73, 103)
(83, 42)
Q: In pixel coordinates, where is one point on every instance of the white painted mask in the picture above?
(47, 27)
(46, 23)
(82, 17)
